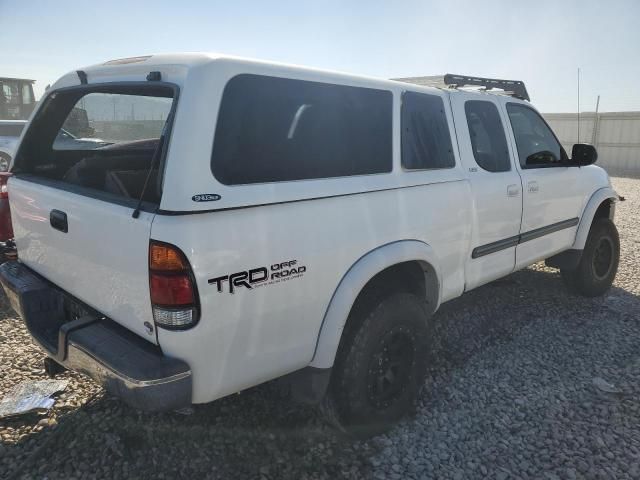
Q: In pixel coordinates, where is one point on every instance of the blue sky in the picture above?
(542, 42)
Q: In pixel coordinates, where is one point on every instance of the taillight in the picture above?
(174, 296)
(6, 229)
(4, 178)
(171, 289)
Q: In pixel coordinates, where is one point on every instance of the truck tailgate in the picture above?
(101, 259)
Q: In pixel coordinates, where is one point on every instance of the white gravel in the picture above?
(516, 392)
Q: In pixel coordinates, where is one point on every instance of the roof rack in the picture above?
(515, 88)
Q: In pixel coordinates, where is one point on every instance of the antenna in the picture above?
(154, 161)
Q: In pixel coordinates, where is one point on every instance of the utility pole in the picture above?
(578, 105)
(594, 137)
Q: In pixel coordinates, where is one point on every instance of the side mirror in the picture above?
(583, 154)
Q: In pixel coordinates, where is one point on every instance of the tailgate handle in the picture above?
(58, 220)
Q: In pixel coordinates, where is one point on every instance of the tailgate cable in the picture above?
(154, 161)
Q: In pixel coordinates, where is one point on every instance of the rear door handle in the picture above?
(58, 220)
(513, 190)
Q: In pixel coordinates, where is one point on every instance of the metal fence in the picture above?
(616, 135)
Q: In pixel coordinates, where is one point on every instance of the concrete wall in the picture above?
(616, 135)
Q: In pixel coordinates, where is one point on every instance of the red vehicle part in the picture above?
(6, 229)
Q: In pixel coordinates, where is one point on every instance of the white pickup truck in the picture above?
(251, 220)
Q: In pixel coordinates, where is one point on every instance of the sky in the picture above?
(541, 42)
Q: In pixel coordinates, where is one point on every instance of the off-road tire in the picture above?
(380, 365)
(598, 265)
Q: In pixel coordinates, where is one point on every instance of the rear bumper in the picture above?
(125, 364)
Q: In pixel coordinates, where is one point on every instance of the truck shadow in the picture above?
(261, 433)
(497, 311)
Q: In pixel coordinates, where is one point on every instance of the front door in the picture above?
(552, 198)
(497, 191)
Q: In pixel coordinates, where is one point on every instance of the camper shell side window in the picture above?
(273, 129)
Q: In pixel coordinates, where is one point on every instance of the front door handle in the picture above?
(58, 220)
(513, 190)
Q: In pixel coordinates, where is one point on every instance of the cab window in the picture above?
(488, 140)
(537, 146)
(426, 140)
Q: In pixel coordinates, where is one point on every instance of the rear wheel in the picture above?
(598, 265)
(380, 366)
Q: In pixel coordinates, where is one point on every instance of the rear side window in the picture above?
(488, 140)
(426, 141)
(273, 129)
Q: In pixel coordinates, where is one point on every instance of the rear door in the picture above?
(77, 179)
(495, 182)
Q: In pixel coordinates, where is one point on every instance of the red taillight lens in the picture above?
(4, 178)
(171, 290)
(6, 229)
(172, 286)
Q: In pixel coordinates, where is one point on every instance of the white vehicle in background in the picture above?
(253, 220)
(10, 131)
(17, 101)
(68, 141)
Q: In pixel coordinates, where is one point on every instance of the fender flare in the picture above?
(354, 280)
(589, 212)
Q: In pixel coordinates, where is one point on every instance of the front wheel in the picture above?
(598, 265)
(380, 366)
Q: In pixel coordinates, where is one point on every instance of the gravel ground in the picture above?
(511, 395)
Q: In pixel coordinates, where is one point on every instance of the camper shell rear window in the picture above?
(101, 140)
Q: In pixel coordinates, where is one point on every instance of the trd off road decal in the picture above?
(257, 277)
